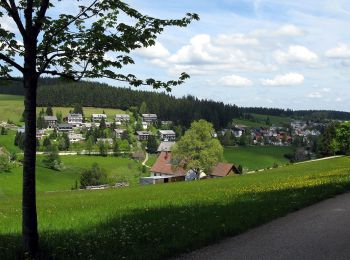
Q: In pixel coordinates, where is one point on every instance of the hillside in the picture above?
(179, 217)
(257, 157)
(182, 110)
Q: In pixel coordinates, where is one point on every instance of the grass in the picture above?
(12, 107)
(260, 121)
(7, 141)
(154, 222)
(151, 159)
(257, 157)
(118, 169)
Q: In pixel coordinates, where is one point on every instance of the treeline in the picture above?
(57, 92)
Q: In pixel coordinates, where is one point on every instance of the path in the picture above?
(145, 160)
(321, 231)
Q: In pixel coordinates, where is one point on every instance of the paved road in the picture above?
(321, 231)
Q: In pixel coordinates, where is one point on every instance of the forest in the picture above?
(182, 111)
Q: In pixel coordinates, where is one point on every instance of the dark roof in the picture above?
(163, 165)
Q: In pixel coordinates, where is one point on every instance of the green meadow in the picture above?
(158, 221)
(257, 157)
(118, 169)
(12, 106)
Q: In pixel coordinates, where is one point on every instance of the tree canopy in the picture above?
(197, 149)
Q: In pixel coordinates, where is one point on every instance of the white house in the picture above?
(74, 138)
(167, 135)
(98, 117)
(75, 119)
(149, 118)
(122, 118)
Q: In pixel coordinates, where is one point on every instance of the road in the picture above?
(321, 231)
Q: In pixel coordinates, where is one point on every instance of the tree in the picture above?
(72, 46)
(3, 131)
(59, 117)
(46, 142)
(52, 159)
(143, 108)
(152, 144)
(94, 176)
(49, 111)
(78, 109)
(103, 148)
(89, 144)
(63, 144)
(197, 149)
(343, 137)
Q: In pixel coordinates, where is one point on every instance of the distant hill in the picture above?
(183, 111)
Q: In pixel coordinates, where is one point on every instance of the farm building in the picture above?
(51, 121)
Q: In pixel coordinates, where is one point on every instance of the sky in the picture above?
(267, 53)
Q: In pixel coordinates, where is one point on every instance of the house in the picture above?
(75, 119)
(165, 147)
(166, 123)
(40, 134)
(119, 132)
(167, 135)
(143, 135)
(223, 170)
(149, 118)
(51, 121)
(122, 118)
(108, 141)
(64, 127)
(98, 117)
(75, 138)
(164, 167)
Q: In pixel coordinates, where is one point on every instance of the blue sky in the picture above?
(289, 54)
(270, 53)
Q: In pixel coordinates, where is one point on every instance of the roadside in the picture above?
(320, 231)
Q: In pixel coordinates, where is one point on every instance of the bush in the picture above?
(240, 169)
(5, 165)
(94, 176)
(52, 159)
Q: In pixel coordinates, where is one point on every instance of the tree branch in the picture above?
(11, 62)
(12, 10)
(44, 5)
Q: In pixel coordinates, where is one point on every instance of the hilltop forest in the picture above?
(182, 111)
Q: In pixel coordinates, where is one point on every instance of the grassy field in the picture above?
(7, 141)
(257, 157)
(260, 121)
(118, 169)
(12, 106)
(153, 222)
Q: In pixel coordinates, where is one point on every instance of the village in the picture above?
(137, 135)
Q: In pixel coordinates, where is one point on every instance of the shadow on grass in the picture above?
(171, 230)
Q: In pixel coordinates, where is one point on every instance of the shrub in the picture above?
(52, 159)
(94, 176)
(5, 164)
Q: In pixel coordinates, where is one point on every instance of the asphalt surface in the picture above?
(321, 231)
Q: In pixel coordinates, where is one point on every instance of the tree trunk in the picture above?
(29, 215)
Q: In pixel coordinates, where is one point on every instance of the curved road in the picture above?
(321, 231)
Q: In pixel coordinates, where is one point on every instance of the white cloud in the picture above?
(235, 81)
(236, 39)
(289, 30)
(315, 95)
(296, 53)
(342, 51)
(284, 80)
(156, 51)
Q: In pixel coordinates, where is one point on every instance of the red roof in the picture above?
(163, 165)
(222, 169)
